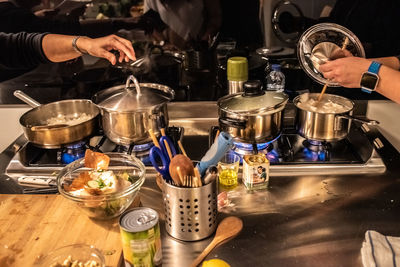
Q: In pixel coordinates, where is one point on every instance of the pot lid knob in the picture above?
(253, 88)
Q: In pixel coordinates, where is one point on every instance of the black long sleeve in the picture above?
(21, 51)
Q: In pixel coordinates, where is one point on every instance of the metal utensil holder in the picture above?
(190, 213)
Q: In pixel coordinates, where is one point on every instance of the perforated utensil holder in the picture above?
(190, 213)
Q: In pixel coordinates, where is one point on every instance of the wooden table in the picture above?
(33, 225)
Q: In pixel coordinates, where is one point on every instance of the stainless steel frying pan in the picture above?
(59, 123)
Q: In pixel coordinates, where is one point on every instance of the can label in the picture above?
(255, 171)
(141, 240)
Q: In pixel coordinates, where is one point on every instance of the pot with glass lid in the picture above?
(129, 112)
(254, 116)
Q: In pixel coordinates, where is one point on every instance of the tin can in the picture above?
(141, 241)
(255, 171)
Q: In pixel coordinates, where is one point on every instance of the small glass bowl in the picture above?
(105, 206)
(81, 252)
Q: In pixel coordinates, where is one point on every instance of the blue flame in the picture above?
(315, 155)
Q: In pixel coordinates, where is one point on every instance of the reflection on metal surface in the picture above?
(323, 52)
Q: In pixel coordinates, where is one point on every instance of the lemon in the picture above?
(215, 263)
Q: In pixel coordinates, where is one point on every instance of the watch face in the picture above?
(369, 81)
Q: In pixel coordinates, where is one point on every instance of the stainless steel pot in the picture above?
(313, 124)
(254, 116)
(37, 130)
(128, 115)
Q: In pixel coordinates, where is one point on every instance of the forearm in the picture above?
(391, 62)
(58, 48)
(389, 83)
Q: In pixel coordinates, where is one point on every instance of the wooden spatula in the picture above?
(227, 229)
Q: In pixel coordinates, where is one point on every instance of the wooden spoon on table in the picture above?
(227, 228)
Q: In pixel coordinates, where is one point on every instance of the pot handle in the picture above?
(25, 98)
(232, 123)
(366, 121)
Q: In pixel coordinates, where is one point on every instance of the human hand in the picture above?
(101, 47)
(346, 71)
(340, 53)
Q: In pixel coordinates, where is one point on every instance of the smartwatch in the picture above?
(370, 78)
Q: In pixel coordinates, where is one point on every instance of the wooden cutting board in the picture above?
(33, 225)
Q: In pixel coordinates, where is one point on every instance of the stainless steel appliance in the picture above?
(290, 154)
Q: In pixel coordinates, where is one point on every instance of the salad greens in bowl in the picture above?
(102, 185)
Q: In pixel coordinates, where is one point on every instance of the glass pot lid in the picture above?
(125, 98)
(253, 101)
(323, 42)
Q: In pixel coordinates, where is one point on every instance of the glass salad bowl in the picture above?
(79, 253)
(102, 194)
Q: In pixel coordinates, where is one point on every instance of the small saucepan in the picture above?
(329, 120)
(59, 123)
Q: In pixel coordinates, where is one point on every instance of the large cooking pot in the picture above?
(328, 120)
(58, 123)
(129, 112)
(254, 116)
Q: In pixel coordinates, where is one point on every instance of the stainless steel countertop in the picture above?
(309, 220)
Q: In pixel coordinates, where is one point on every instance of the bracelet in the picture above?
(75, 47)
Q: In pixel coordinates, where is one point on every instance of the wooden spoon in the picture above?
(227, 229)
(185, 168)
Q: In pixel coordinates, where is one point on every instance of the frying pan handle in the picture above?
(25, 98)
(366, 121)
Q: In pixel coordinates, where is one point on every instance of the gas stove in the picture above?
(35, 167)
(292, 155)
(289, 154)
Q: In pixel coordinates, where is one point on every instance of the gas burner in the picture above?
(143, 147)
(242, 149)
(246, 149)
(317, 146)
(316, 150)
(140, 151)
(72, 152)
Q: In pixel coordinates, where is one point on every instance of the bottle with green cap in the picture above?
(237, 73)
